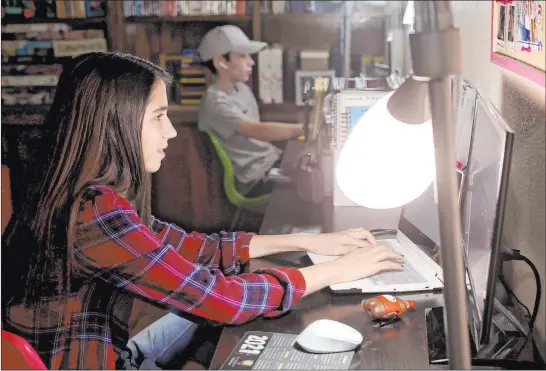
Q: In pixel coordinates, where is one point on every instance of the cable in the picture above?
(535, 308)
(511, 293)
(512, 254)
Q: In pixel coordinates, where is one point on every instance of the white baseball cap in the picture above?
(225, 39)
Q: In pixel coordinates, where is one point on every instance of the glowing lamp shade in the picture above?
(386, 163)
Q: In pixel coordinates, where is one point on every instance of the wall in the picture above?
(522, 104)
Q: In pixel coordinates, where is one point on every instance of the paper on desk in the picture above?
(259, 350)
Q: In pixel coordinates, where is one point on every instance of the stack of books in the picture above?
(192, 78)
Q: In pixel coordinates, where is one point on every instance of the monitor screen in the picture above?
(483, 209)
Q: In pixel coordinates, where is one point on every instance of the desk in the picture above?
(402, 345)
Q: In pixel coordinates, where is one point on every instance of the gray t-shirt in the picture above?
(222, 112)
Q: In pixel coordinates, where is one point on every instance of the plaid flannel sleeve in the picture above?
(225, 251)
(113, 245)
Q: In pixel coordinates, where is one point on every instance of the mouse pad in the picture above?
(259, 350)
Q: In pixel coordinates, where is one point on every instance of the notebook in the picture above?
(348, 107)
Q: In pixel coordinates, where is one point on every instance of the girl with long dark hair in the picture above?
(85, 246)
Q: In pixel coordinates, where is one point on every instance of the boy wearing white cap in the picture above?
(229, 109)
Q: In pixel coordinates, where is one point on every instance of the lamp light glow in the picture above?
(386, 163)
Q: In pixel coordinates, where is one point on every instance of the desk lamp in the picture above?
(418, 118)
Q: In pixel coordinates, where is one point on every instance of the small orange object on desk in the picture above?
(387, 307)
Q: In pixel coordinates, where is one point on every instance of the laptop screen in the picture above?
(419, 219)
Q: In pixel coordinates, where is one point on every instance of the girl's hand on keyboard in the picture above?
(362, 263)
(338, 243)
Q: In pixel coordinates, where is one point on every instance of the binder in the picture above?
(347, 108)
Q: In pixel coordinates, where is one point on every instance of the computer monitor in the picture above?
(483, 182)
(482, 212)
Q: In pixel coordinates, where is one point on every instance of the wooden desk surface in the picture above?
(402, 345)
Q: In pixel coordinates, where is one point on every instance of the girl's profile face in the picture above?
(156, 128)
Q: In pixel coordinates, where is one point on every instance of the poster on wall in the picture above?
(518, 34)
(501, 28)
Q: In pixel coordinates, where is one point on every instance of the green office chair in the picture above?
(237, 199)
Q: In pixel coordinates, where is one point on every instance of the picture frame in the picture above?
(305, 80)
(518, 35)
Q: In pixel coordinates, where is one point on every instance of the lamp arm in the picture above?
(434, 31)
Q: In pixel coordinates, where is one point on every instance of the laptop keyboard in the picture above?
(408, 275)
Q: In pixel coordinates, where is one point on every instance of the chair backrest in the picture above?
(18, 354)
(229, 179)
(229, 174)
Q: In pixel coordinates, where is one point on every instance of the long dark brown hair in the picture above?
(95, 126)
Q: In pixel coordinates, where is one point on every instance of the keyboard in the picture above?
(408, 275)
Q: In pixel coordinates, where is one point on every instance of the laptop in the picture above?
(417, 239)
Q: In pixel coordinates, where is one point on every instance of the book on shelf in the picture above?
(300, 6)
(52, 34)
(44, 42)
(17, 10)
(147, 8)
(27, 95)
(48, 51)
(31, 70)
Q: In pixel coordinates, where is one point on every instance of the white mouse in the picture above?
(326, 336)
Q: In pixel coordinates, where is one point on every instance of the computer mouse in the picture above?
(327, 336)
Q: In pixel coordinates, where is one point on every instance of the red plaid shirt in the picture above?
(119, 260)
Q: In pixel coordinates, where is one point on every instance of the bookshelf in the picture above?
(38, 38)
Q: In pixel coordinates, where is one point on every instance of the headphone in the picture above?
(223, 65)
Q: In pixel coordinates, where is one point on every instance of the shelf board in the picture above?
(190, 18)
(89, 20)
(324, 16)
